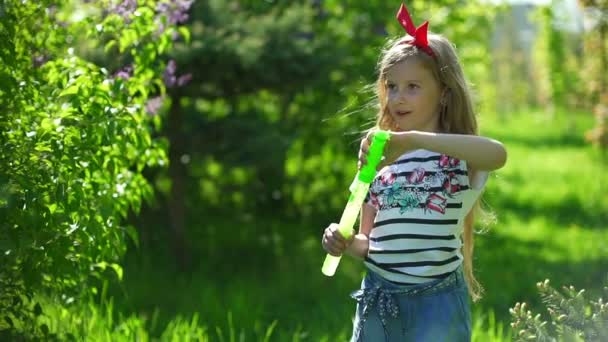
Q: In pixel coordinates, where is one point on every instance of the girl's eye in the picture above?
(391, 86)
(413, 86)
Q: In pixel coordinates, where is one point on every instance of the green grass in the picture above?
(551, 214)
(96, 322)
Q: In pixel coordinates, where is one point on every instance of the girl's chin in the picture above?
(401, 127)
(396, 126)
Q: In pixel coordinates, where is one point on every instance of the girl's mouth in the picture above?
(402, 113)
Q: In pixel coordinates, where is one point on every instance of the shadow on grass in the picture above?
(564, 140)
(257, 284)
(509, 269)
(569, 211)
(538, 129)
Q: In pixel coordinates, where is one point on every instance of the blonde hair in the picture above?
(457, 115)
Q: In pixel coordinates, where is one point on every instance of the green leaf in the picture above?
(47, 124)
(109, 45)
(185, 32)
(118, 269)
(163, 44)
(72, 90)
(132, 233)
(52, 207)
(43, 147)
(9, 321)
(37, 310)
(143, 90)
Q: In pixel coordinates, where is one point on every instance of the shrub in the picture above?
(571, 317)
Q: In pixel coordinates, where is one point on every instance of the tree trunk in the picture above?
(178, 175)
(603, 58)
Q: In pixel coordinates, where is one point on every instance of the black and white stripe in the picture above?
(418, 245)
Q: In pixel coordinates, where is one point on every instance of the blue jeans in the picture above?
(434, 311)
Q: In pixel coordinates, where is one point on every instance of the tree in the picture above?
(596, 70)
(75, 138)
(268, 80)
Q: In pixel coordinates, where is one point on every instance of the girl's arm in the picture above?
(480, 153)
(360, 245)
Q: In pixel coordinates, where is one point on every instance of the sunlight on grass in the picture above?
(487, 328)
(101, 321)
(551, 214)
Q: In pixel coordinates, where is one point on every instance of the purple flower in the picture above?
(153, 105)
(169, 74)
(171, 79)
(124, 73)
(39, 60)
(125, 8)
(184, 79)
(175, 12)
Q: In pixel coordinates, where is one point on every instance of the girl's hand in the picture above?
(333, 242)
(398, 144)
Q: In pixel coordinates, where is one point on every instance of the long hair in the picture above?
(457, 115)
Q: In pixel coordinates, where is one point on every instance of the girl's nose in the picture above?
(401, 96)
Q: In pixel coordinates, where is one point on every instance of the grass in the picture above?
(552, 218)
(552, 213)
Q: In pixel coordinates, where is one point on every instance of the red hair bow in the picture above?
(419, 34)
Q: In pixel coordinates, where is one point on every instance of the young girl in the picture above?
(416, 227)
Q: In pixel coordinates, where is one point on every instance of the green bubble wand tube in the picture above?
(358, 191)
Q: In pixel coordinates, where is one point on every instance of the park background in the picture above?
(167, 167)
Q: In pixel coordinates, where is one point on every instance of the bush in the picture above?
(75, 137)
(571, 317)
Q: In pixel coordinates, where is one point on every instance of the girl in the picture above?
(416, 227)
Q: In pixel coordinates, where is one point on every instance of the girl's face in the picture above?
(413, 96)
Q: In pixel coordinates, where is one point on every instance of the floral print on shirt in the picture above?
(420, 188)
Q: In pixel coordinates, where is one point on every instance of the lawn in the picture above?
(551, 222)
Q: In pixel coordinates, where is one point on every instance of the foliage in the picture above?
(596, 48)
(598, 136)
(572, 317)
(596, 43)
(558, 58)
(292, 79)
(258, 71)
(486, 327)
(538, 195)
(270, 123)
(75, 139)
(92, 320)
(551, 219)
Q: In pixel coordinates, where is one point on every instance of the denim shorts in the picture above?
(434, 311)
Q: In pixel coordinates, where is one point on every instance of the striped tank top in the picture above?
(421, 201)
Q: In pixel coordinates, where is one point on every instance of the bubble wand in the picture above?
(358, 191)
